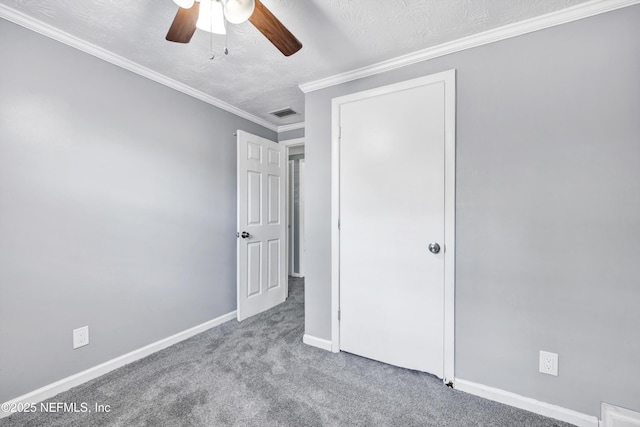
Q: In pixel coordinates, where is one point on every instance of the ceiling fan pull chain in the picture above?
(226, 30)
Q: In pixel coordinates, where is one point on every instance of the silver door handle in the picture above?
(434, 248)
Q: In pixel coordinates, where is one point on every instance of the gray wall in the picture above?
(548, 210)
(117, 210)
(291, 134)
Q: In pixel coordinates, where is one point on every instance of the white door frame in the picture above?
(288, 144)
(301, 175)
(449, 79)
(291, 220)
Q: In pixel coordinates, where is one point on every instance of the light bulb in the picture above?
(211, 13)
(185, 4)
(238, 11)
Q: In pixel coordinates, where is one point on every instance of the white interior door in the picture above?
(392, 205)
(261, 264)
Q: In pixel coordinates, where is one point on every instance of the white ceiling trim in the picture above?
(47, 30)
(292, 126)
(574, 13)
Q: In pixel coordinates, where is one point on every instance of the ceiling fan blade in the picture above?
(273, 30)
(184, 24)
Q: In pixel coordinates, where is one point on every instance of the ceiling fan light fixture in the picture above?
(185, 4)
(211, 18)
(238, 11)
(209, 15)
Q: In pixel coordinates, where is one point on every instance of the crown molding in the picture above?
(292, 126)
(47, 30)
(574, 13)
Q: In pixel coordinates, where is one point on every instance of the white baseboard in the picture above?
(65, 384)
(316, 342)
(526, 403)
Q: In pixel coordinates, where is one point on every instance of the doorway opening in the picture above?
(294, 153)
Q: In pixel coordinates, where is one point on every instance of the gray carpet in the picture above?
(259, 373)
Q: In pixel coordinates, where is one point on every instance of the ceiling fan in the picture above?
(200, 14)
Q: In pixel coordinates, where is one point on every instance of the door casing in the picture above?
(449, 79)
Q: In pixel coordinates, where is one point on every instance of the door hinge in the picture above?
(338, 223)
(338, 314)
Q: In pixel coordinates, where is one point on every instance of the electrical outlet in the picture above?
(548, 363)
(80, 337)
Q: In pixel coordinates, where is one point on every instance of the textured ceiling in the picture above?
(337, 36)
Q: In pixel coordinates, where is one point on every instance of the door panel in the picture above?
(274, 157)
(261, 253)
(274, 199)
(254, 252)
(274, 264)
(254, 152)
(391, 208)
(254, 190)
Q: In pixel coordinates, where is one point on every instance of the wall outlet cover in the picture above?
(548, 363)
(80, 337)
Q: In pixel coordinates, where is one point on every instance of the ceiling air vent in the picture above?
(284, 112)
